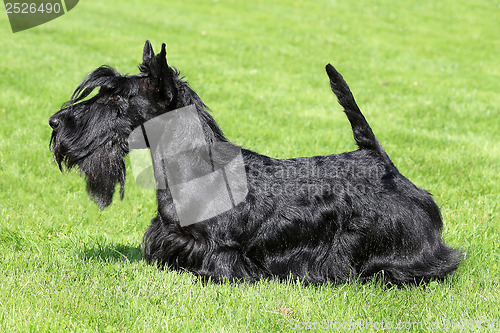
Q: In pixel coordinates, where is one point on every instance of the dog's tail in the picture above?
(363, 134)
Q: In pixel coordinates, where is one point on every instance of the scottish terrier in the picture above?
(336, 218)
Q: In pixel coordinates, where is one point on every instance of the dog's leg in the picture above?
(191, 248)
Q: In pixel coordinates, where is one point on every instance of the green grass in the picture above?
(425, 74)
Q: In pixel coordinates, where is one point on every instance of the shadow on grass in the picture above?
(102, 250)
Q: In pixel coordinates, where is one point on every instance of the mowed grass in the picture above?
(425, 73)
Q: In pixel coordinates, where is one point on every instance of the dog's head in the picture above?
(92, 128)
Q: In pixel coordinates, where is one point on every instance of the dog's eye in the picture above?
(117, 97)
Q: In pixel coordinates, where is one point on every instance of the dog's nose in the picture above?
(53, 122)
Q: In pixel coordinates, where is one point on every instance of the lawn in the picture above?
(425, 73)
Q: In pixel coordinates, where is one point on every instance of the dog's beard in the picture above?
(59, 152)
(103, 169)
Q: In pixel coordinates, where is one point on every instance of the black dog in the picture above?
(337, 218)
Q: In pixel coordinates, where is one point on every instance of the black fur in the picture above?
(333, 218)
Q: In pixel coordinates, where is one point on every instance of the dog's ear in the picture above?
(148, 53)
(157, 69)
(166, 86)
